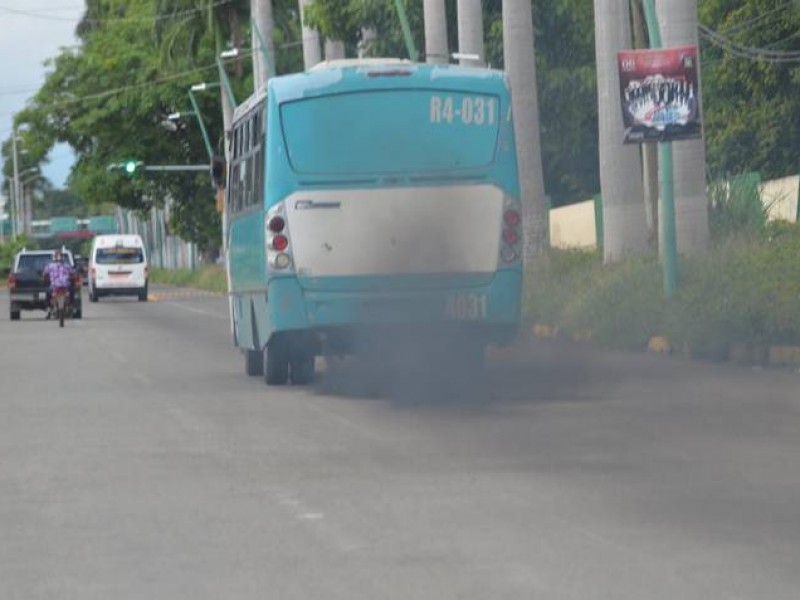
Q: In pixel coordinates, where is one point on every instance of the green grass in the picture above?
(746, 289)
(210, 278)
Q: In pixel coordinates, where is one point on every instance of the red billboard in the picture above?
(660, 94)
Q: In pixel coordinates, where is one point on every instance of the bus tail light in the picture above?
(280, 242)
(277, 239)
(276, 224)
(511, 236)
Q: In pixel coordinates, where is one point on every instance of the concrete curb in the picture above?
(737, 352)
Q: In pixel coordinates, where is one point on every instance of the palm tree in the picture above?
(520, 64)
(678, 23)
(334, 49)
(624, 221)
(470, 31)
(311, 48)
(435, 16)
(261, 18)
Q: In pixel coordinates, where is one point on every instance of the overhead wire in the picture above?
(152, 19)
(750, 52)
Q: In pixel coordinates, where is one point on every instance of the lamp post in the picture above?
(26, 208)
(15, 228)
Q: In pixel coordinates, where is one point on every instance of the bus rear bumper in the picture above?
(490, 312)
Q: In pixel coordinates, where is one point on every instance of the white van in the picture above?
(118, 267)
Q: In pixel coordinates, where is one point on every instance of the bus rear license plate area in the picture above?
(466, 307)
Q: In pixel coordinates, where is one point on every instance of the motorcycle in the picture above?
(60, 304)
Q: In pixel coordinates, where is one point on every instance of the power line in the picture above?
(756, 21)
(49, 17)
(750, 52)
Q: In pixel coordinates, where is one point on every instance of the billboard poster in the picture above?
(659, 94)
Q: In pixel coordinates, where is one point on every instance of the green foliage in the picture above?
(735, 207)
(746, 290)
(751, 107)
(9, 249)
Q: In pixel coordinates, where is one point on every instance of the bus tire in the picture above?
(253, 363)
(276, 363)
(302, 368)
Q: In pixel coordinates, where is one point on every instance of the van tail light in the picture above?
(93, 272)
(12, 282)
(277, 240)
(511, 236)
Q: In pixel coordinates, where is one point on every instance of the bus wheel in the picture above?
(253, 363)
(303, 369)
(276, 363)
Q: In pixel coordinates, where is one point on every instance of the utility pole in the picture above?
(15, 229)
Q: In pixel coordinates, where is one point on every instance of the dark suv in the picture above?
(27, 287)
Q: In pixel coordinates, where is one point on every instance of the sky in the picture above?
(32, 31)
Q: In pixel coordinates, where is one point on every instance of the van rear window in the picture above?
(119, 256)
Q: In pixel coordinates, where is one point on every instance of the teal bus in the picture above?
(370, 197)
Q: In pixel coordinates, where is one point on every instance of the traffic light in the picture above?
(130, 167)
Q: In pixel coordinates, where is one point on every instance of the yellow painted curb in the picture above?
(784, 355)
(545, 331)
(582, 335)
(659, 344)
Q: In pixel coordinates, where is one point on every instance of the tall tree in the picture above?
(311, 43)
(262, 25)
(624, 222)
(436, 46)
(750, 75)
(520, 64)
(678, 22)
(470, 32)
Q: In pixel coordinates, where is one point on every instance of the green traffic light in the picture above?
(131, 166)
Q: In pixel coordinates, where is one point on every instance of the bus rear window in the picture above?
(400, 131)
(119, 256)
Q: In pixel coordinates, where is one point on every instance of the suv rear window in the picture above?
(119, 256)
(37, 262)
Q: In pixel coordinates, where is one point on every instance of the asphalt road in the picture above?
(138, 461)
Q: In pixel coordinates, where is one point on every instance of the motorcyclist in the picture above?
(59, 275)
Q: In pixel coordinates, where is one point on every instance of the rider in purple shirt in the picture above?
(59, 274)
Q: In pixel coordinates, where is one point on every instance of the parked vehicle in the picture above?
(118, 267)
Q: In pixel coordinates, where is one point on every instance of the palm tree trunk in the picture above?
(470, 32)
(649, 151)
(520, 65)
(678, 22)
(334, 49)
(365, 45)
(311, 47)
(436, 46)
(624, 224)
(261, 17)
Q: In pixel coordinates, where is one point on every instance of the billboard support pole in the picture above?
(666, 220)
